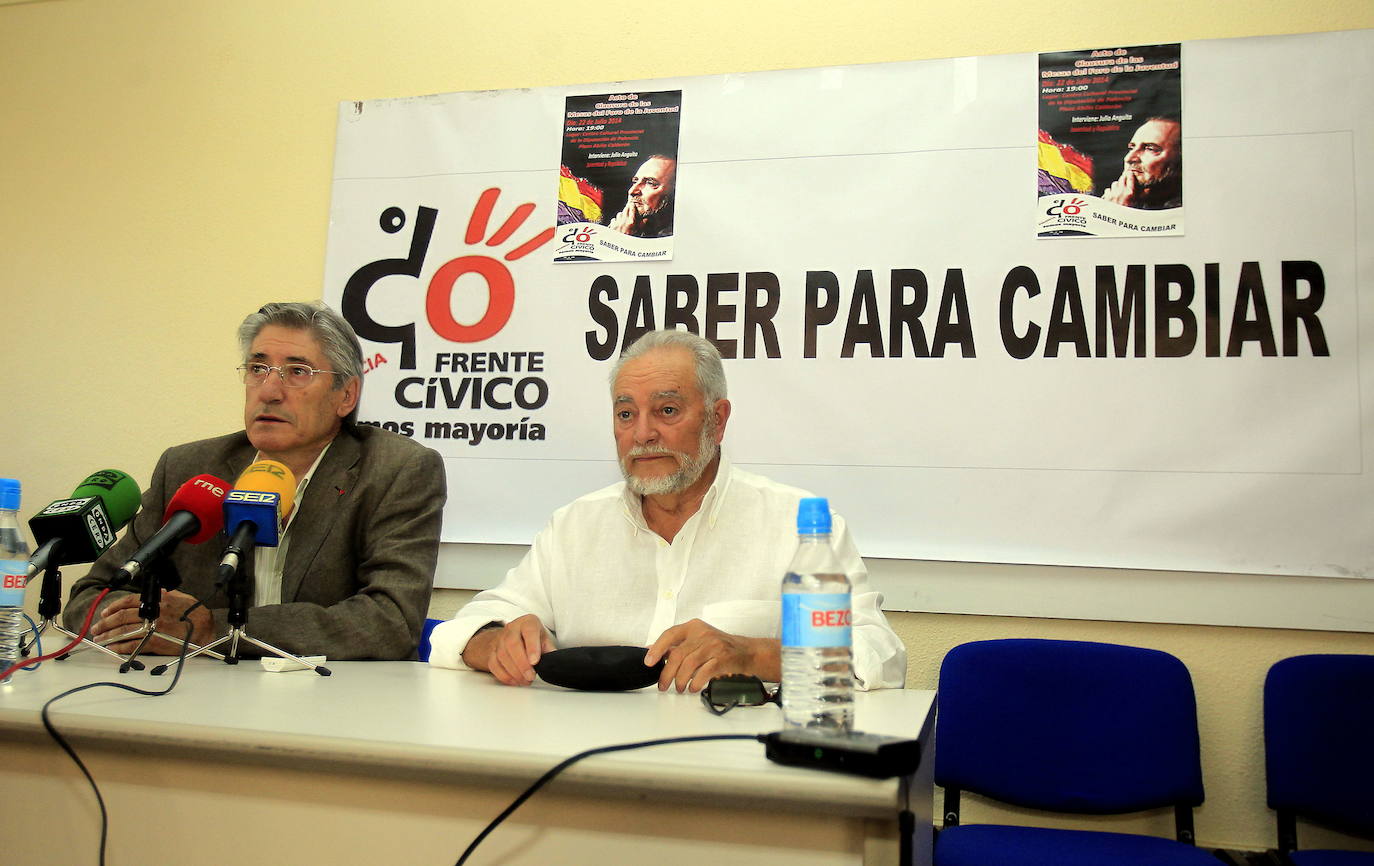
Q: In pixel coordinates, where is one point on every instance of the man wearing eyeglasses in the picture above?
(352, 575)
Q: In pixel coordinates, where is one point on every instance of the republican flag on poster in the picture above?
(1062, 168)
(578, 198)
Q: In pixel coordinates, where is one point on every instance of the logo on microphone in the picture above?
(65, 506)
(102, 534)
(251, 496)
(206, 485)
(106, 478)
(268, 467)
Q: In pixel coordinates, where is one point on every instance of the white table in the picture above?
(397, 762)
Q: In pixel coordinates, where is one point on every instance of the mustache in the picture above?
(653, 451)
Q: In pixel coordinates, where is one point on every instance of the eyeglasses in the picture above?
(722, 694)
(292, 375)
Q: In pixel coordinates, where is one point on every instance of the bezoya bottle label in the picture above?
(13, 580)
(816, 619)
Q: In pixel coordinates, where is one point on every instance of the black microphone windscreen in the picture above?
(598, 668)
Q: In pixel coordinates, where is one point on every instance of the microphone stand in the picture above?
(49, 604)
(157, 576)
(238, 621)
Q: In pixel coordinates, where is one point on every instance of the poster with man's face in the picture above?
(617, 178)
(1110, 143)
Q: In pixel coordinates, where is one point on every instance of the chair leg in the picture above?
(951, 807)
(1183, 824)
(1288, 831)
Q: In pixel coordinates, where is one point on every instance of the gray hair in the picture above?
(710, 372)
(340, 345)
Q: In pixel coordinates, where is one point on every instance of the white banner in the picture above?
(860, 243)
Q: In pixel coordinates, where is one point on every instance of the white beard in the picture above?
(690, 466)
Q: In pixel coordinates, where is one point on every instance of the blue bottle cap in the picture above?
(813, 516)
(9, 493)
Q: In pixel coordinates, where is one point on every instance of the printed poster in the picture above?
(617, 179)
(1110, 143)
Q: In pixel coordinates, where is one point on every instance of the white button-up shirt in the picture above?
(597, 575)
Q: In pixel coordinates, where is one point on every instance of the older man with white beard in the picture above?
(685, 556)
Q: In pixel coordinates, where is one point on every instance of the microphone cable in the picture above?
(568, 762)
(62, 742)
(37, 644)
(28, 665)
(906, 819)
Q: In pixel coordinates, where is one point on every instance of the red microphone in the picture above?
(194, 514)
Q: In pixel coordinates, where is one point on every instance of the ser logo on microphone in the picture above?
(269, 467)
(251, 496)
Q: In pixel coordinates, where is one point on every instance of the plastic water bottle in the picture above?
(817, 663)
(14, 565)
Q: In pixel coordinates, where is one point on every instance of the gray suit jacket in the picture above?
(360, 564)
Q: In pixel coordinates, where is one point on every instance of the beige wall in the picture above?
(165, 165)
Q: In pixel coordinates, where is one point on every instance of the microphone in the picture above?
(193, 515)
(253, 509)
(83, 526)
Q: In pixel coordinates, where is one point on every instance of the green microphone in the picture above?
(81, 527)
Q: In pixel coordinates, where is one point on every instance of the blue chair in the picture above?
(1319, 751)
(428, 627)
(1066, 726)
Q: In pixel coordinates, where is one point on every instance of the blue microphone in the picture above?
(253, 510)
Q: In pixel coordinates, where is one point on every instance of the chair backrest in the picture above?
(423, 651)
(1068, 726)
(1319, 740)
